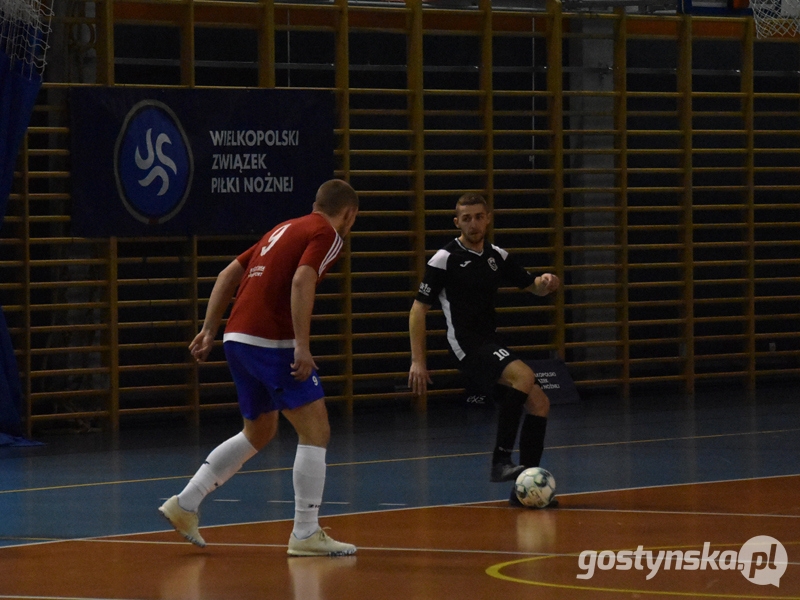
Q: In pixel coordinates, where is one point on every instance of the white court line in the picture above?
(406, 459)
(371, 548)
(119, 535)
(292, 502)
(678, 512)
(473, 504)
(667, 485)
(400, 549)
(673, 439)
(643, 511)
(18, 597)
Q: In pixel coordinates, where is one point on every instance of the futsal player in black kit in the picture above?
(464, 277)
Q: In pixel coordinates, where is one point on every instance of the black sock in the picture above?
(531, 440)
(509, 403)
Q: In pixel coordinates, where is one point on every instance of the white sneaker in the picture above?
(318, 544)
(184, 521)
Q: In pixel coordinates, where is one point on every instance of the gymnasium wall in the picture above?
(651, 161)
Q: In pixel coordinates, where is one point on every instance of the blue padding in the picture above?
(17, 97)
(10, 389)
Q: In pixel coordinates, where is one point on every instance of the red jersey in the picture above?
(262, 312)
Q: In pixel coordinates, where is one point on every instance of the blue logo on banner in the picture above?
(153, 163)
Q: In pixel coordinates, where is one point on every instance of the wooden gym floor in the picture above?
(78, 516)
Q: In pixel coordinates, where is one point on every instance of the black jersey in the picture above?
(465, 282)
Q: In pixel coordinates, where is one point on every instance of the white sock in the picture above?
(308, 477)
(223, 462)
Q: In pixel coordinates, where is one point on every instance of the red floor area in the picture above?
(483, 551)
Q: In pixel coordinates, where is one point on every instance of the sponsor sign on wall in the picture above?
(552, 376)
(179, 162)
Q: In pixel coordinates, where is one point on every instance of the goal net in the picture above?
(776, 18)
(24, 31)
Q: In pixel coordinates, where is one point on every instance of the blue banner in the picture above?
(554, 379)
(17, 97)
(185, 161)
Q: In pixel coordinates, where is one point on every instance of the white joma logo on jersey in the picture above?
(424, 289)
(465, 263)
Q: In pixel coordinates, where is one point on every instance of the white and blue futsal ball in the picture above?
(535, 487)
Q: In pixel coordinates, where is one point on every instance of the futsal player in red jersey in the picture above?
(266, 342)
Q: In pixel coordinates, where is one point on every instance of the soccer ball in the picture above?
(535, 487)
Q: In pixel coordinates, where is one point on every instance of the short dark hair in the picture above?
(334, 196)
(471, 198)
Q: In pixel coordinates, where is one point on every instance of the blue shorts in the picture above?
(264, 382)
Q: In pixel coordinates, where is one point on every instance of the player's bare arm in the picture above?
(304, 290)
(544, 284)
(221, 295)
(418, 376)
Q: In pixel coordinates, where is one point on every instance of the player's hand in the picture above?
(201, 345)
(418, 379)
(549, 283)
(303, 364)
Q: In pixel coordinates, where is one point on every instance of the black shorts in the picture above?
(483, 367)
